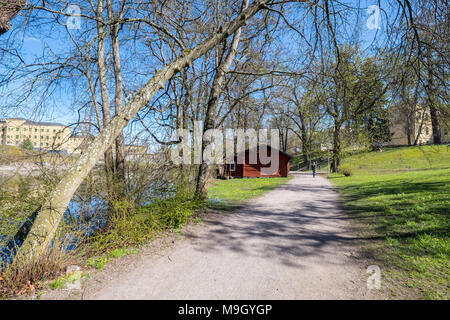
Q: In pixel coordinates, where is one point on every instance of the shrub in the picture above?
(346, 171)
(24, 276)
(131, 226)
(172, 212)
(10, 154)
(27, 144)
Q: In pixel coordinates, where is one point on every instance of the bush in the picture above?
(346, 171)
(172, 212)
(131, 226)
(24, 276)
(27, 144)
(10, 154)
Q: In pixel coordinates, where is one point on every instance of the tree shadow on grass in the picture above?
(405, 212)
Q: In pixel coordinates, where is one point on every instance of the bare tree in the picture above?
(51, 212)
(225, 61)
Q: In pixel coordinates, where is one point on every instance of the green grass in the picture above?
(237, 190)
(62, 282)
(400, 159)
(133, 227)
(404, 216)
(99, 262)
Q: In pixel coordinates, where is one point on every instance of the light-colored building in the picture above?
(416, 125)
(42, 135)
(406, 128)
(51, 136)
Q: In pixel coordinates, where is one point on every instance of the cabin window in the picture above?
(232, 166)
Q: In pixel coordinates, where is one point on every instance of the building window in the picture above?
(17, 129)
(232, 166)
(17, 137)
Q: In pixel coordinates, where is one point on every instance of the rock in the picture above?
(73, 268)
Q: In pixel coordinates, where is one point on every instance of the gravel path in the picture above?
(291, 243)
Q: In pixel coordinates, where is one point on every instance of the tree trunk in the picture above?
(106, 108)
(213, 102)
(47, 221)
(305, 141)
(336, 160)
(186, 169)
(120, 145)
(408, 129)
(431, 101)
(435, 125)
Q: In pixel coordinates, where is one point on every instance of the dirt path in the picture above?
(291, 243)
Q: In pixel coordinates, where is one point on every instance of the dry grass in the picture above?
(24, 277)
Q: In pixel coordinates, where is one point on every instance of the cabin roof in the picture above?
(284, 153)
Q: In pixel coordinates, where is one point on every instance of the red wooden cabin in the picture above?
(254, 170)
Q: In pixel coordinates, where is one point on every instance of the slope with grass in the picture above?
(404, 216)
(400, 159)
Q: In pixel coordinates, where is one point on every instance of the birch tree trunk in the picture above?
(51, 213)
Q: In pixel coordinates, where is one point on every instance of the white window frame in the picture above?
(232, 166)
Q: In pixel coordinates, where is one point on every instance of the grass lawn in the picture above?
(405, 158)
(405, 217)
(237, 190)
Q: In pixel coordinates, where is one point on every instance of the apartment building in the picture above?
(42, 135)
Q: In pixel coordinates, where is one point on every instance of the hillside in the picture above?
(400, 200)
(400, 159)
